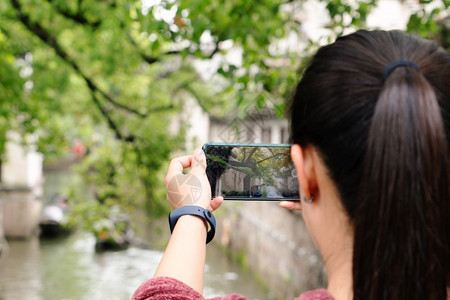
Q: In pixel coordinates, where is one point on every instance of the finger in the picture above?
(177, 165)
(291, 205)
(198, 162)
(215, 203)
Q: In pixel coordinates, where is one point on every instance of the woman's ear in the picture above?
(304, 164)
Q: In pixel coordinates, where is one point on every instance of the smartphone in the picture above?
(251, 172)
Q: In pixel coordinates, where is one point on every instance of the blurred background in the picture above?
(97, 96)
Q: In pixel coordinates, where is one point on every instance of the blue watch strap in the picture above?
(195, 211)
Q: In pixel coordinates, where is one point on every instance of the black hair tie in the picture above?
(399, 63)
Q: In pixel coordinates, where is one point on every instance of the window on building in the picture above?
(266, 135)
(284, 135)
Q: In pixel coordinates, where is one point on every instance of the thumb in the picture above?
(198, 164)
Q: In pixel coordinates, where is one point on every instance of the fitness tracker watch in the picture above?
(195, 211)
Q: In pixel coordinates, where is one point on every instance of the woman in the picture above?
(370, 127)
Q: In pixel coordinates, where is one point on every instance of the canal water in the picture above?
(69, 267)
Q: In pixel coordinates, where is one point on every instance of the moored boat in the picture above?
(53, 220)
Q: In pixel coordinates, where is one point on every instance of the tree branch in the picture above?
(161, 108)
(50, 40)
(111, 123)
(151, 59)
(76, 17)
(147, 58)
(79, 2)
(251, 154)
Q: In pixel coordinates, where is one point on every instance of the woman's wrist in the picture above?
(192, 225)
(196, 220)
(197, 211)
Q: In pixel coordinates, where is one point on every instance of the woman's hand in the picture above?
(192, 188)
(291, 205)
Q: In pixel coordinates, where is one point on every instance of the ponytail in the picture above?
(401, 226)
(385, 142)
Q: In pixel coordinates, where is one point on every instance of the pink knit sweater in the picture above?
(166, 288)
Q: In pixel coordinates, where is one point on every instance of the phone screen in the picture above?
(251, 172)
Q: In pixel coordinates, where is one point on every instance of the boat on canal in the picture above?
(53, 221)
(113, 233)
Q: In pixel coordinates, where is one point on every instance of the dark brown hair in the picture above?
(385, 143)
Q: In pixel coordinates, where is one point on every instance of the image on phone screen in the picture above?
(251, 172)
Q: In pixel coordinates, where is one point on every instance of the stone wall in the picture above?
(21, 187)
(273, 243)
(21, 208)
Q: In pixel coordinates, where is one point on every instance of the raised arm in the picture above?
(184, 258)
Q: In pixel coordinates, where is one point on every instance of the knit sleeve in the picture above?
(319, 294)
(166, 288)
